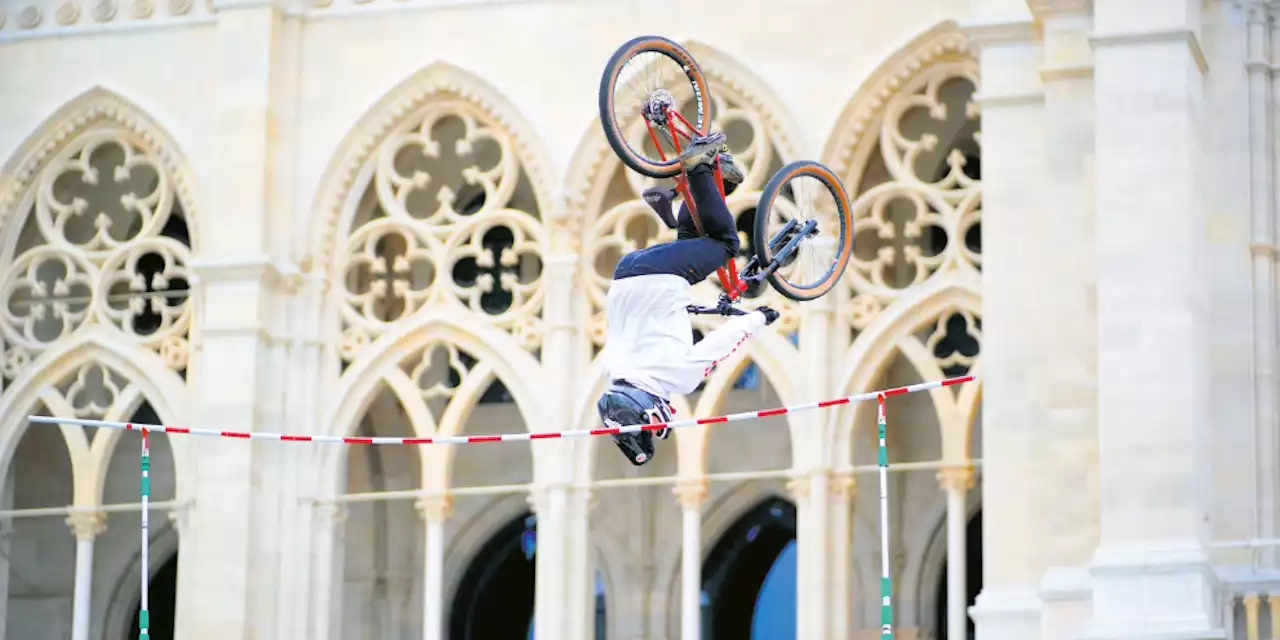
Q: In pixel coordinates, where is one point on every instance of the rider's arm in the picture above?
(720, 344)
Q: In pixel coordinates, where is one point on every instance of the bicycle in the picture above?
(660, 111)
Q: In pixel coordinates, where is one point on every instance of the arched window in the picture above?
(749, 578)
(448, 216)
(104, 239)
(495, 597)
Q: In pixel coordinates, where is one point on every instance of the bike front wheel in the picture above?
(804, 230)
(653, 100)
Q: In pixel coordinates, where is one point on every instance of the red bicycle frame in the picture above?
(728, 274)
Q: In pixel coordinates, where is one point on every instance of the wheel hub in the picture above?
(656, 107)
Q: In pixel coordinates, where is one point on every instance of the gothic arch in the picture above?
(921, 269)
(351, 165)
(142, 369)
(497, 356)
(857, 129)
(892, 332)
(95, 108)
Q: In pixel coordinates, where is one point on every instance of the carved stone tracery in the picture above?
(105, 241)
(449, 218)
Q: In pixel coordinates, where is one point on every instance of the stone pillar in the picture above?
(581, 568)
(299, 480)
(551, 594)
(1251, 602)
(435, 509)
(1151, 575)
(236, 521)
(842, 489)
(812, 455)
(329, 552)
(812, 596)
(1014, 237)
(691, 495)
(87, 526)
(1273, 604)
(1263, 50)
(956, 482)
(564, 578)
(1067, 448)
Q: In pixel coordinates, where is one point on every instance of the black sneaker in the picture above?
(730, 172)
(660, 199)
(702, 150)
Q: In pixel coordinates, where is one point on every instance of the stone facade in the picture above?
(394, 219)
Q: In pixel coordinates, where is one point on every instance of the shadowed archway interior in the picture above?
(973, 579)
(162, 592)
(749, 578)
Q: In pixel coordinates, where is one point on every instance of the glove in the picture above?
(769, 314)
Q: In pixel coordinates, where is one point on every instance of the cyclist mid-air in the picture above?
(649, 352)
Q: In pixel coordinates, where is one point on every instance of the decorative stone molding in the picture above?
(29, 19)
(1155, 36)
(104, 10)
(87, 525)
(956, 478)
(691, 493)
(844, 485)
(67, 16)
(68, 13)
(1042, 9)
(436, 507)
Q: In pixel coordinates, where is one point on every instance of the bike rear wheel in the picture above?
(804, 195)
(653, 100)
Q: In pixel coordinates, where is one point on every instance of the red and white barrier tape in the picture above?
(505, 437)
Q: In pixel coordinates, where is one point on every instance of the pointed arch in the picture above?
(158, 385)
(349, 166)
(95, 108)
(497, 355)
(892, 332)
(68, 247)
(857, 129)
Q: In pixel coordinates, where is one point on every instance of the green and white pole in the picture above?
(144, 623)
(886, 583)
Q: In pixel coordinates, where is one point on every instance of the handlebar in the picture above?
(724, 307)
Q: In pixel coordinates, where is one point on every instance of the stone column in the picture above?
(691, 495)
(326, 605)
(843, 490)
(551, 595)
(235, 523)
(303, 377)
(1067, 448)
(1151, 574)
(810, 495)
(87, 526)
(581, 587)
(1273, 604)
(1014, 237)
(1263, 50)
(956, 482)
(435, 509)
